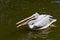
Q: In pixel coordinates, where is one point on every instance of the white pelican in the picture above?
(37, 21)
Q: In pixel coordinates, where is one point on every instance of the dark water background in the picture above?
(12, 11)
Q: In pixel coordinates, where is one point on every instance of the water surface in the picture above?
(12, 11)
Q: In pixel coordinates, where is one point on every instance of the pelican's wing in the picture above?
(54, 20)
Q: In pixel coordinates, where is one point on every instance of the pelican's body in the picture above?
(37, 21)
(41, 22)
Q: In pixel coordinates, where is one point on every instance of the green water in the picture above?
(12, 11)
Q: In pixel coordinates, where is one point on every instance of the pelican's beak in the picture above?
(25, 21)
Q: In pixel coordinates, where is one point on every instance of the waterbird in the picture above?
(37, 21)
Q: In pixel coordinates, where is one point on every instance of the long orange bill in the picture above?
(25, 21)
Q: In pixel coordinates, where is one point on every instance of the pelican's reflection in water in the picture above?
(43, 34)
(34, 34)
